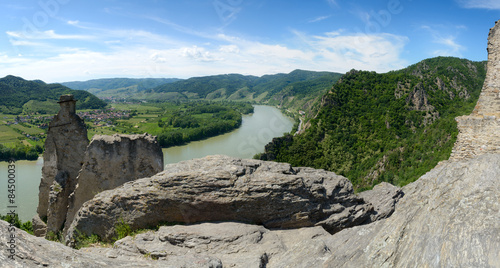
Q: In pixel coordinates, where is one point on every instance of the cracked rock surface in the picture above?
(222, 188)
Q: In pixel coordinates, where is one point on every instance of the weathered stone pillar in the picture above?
(64, 150)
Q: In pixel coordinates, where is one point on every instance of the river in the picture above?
(255, 132)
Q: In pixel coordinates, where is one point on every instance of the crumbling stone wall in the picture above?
(479, 133)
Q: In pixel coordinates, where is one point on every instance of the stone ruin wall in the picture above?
(476, 136)
(479, 132)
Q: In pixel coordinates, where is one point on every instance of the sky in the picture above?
(76, 40)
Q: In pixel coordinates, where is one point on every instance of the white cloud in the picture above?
(229, 49)
(135, 53)
(49, 34)
(319, 19)
(198, 54)
(452, 47)
(484, 4)
(448, 43)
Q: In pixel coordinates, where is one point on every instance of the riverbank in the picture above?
(256, 130)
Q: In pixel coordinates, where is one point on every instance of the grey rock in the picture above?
(450, 217)
(221, 188)
(39, 226)
(384, 197)
(235, 244)
(58, 202)
(31, 251)
(64, 149)
(111, 161)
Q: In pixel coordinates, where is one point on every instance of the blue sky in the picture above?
(67, 40)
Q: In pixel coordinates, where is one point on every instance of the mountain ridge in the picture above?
(20, 95)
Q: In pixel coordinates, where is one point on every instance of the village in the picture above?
(97, 117)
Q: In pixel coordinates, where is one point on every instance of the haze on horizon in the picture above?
(68, 40)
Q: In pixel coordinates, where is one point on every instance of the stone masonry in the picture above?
(479, 133)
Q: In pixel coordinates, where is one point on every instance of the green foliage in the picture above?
(56, 237)
(122, 229)
(14, 220)
(20, 152)
(118, 83)
(82, 240)
(278, 89)
(16, 92)
(390, 127)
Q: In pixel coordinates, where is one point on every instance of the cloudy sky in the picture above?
(68, 40)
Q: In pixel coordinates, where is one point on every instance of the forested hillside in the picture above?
(278, 89)
(297, 90)
(19, 95)
(390, 127)
(118, 87)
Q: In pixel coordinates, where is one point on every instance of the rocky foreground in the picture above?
(222, 188)
(450, 217)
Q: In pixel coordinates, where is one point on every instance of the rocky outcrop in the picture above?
(450, 217)
(31, 251)
(111, 161)
(383, 197)
(478, 132)
(221, 188)
(75, 171)
(64, 150)
(233, 244)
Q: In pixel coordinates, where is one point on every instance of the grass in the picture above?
(33, 130)
(8, 135)
(140, 108)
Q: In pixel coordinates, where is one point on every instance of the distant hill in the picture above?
(118, 87)
(391, 127)
(296, 89)
(19, 95)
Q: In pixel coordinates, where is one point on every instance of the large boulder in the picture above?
(221, 188)
(111, 161)
(450, 217)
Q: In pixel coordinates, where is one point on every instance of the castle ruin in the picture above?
(479, 132)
